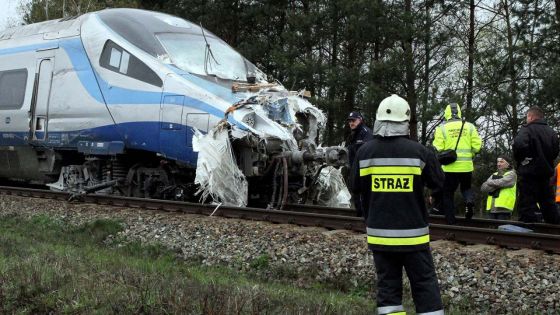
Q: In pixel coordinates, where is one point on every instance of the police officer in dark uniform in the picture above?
(535, 147)
(359, 134)
(389, 175)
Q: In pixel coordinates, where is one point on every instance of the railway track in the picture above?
(438, 219)
(322, 217)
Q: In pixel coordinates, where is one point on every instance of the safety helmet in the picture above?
(453, 110)
(393, 108)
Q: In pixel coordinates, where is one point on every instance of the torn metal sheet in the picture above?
(332, 189)
(273, 139)
(216, 172)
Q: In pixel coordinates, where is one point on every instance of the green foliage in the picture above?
(260, 262)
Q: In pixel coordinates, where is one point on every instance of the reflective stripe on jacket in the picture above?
(503, 198)
(403, 237)
(446, 138)
(390, 175)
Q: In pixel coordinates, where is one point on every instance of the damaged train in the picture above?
(139, 103)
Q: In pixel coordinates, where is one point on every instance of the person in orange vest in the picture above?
(556, 182)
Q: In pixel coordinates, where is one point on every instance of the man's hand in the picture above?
(469, 211)
(469, 214)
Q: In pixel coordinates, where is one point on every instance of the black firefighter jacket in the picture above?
(535, 147)
(389, 175)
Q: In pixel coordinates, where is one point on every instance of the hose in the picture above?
(274, 186)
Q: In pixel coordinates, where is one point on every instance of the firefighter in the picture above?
(501, 189)
(359, 134)
(535, 147)
(458, 173)
(389, 175)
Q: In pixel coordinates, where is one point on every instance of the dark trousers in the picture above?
(531, 192)
(437, 202)
(421, 272)
(452, 181)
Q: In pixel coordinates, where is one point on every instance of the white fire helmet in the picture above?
(393, 108)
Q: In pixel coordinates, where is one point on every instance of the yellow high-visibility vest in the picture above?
(505, 199)
(446, 137)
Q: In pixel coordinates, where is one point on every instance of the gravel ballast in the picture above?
(485, 278)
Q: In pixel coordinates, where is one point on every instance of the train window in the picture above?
(204, 55)
(115, 58)
(12, 88)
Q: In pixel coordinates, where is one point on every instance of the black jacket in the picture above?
(535, 147)
(357, 137)
(389, 175)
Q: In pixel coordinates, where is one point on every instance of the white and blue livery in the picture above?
(108, 101)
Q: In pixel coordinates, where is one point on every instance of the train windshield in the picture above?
(191, 53)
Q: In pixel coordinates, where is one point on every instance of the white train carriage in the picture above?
(109, 101)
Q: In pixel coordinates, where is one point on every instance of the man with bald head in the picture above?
(535, 147)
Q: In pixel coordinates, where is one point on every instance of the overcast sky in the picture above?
(9, 15)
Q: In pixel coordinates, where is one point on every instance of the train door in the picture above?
(40, 106)
(170, 135)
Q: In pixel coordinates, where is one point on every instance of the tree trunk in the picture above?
(557, 2)
(470, 69)
(511, 70)
(411, 96)
(331, 110)
(531, 55)
(351, 66)
(427, 52)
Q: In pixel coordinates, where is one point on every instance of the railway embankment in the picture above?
(479, 278)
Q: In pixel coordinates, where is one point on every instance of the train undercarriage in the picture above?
(270, 160)
(284, 179)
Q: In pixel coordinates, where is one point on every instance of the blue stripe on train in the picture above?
(137, 135)
(118, 95)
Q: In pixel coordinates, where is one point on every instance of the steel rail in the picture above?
(463, 234)
(507, 239)
(543, 228)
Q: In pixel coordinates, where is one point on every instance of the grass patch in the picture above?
(261, 262)
(48, 267)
